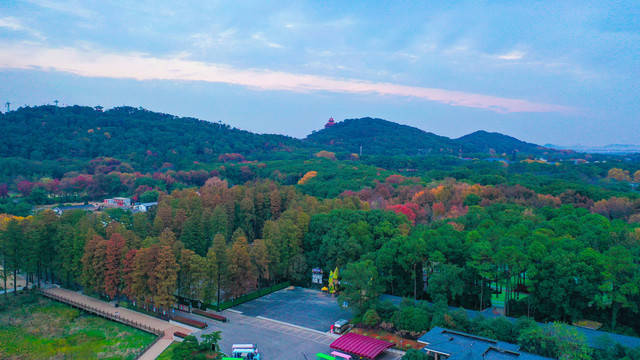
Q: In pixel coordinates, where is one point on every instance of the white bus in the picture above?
(245, 351)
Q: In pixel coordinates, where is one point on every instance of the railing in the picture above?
(109, 316)
(147, 348)
(104, 314)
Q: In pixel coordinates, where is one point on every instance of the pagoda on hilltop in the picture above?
(329, 124)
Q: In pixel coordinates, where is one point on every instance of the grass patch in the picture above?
(167, 354)
(47, 329)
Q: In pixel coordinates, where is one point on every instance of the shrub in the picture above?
(371, 317)
(190, 322)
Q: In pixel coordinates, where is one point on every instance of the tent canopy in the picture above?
(360, 345)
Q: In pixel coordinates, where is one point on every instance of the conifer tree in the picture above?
(210, 286)
(166, 276)
(241, 276)
(115, 253)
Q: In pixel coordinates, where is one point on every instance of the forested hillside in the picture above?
(554, 241)
(483, 141)
(381, 137)
(144, 139)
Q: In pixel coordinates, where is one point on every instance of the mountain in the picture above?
(148, 140)
(382, 137)
(611, 149)
(482, 141)
(135, 135)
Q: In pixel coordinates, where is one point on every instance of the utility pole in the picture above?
(7, 105)
(56, 102)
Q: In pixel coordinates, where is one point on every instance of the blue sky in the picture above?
(562, 72)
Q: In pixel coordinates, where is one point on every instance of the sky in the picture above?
(562, 72)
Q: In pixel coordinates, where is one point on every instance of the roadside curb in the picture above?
(335, 336)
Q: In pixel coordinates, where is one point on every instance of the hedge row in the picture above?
(180, 334)
(190, 322)
(209, 315)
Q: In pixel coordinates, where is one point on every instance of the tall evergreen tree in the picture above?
(241, 276)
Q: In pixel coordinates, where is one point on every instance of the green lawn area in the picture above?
(46, 329)
(498, 299)
(168, 353)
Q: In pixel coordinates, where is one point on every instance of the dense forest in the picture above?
(560, 240)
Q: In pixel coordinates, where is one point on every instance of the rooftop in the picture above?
(462, 346)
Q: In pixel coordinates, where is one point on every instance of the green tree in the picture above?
(361, 285)
(413, 354)
(622, 278)
(260, 259)
(210, 286)
(446, 282)
(482, 262)
(371, 317)
(411, 255)
(185, 350)
(210, 341)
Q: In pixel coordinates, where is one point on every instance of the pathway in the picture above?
(124, 315)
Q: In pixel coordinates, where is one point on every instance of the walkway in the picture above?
(126, 316)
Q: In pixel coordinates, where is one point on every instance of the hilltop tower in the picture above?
(329, 124)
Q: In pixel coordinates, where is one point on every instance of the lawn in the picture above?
(167, 354)
(401, 343)
(45, 329)
(498, 299)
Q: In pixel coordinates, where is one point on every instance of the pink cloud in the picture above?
(143, 67)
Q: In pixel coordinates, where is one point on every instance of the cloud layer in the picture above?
(89, 63)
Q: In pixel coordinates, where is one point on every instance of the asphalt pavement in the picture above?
(303, 307)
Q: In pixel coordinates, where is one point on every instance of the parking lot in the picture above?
(285, 325)
(274, 339)
(304, 307)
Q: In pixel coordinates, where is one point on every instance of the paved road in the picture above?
(123, 313)
(275, 339)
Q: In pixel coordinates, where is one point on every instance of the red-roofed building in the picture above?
(360, 345)
(329, 124)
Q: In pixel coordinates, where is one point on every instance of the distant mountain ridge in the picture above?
(149, 139)
(483, 141)
(382, 137)
(611, 149)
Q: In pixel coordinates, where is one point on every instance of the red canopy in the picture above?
(360, 345)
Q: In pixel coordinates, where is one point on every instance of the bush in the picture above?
(386, 309)
(371, 317)
(412, 319)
